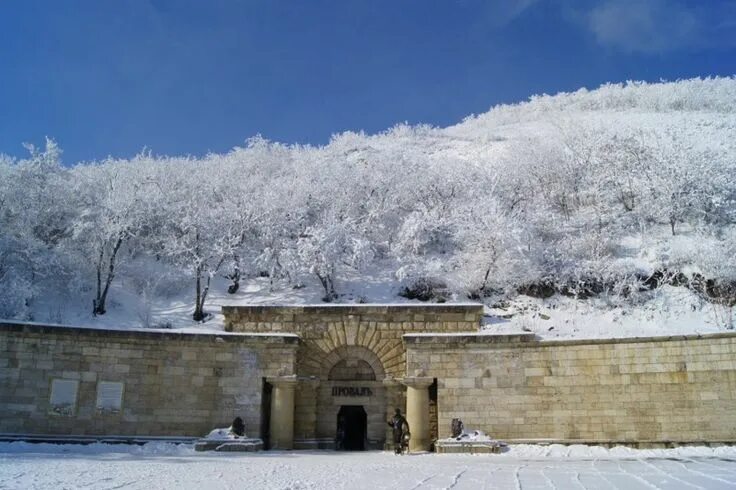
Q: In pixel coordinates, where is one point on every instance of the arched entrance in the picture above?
(351, 400)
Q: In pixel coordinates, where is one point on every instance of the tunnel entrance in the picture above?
(352, 424)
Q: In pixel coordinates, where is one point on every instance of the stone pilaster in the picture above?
(282, 412)
(305, 413)
(417, 411)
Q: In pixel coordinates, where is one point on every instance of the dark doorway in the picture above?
(433, 422)
(352, 424)
(266, 414)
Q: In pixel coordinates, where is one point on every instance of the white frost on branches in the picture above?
(548, 192)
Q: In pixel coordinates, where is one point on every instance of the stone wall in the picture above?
(515, 387)
(174, 384)
(678, 389)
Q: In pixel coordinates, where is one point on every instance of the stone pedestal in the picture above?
(417, 412)
(282, 412)
(244, 444)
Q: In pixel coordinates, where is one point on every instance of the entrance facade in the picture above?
(350, 396)
(350, 372)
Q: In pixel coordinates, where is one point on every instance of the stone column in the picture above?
(282, 412)
(417, 412)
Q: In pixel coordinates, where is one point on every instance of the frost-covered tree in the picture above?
(36, 215)
(112, 197)
(552, 192)
(678, 180)
(490, 247)
(196, 234)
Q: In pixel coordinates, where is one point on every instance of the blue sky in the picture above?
(188, 77)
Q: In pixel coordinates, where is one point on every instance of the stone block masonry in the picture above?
(637, 391)
(301, 375)
(173, 384)
(324, 329)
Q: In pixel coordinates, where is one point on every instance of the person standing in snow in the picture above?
(400, 430)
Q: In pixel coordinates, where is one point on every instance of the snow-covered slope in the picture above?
(607, 212)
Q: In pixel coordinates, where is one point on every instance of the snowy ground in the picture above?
(666, 311)
(523, 467)
(662, 312)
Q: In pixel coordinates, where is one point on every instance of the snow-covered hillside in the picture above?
(608, 212)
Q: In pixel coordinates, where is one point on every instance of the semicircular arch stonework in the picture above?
(353, 352)
(351, 370)
(383, 349)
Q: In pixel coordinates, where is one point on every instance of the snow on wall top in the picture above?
(189, 334)
(359, 306)
(516, 338)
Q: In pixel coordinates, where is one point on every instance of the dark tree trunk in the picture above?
(484, 284)
(99, 303)
(329, 287)
(235, 276)
(199, 313)
(99, 281)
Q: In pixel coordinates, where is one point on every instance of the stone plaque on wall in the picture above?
(109, 396)
(63, 399)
